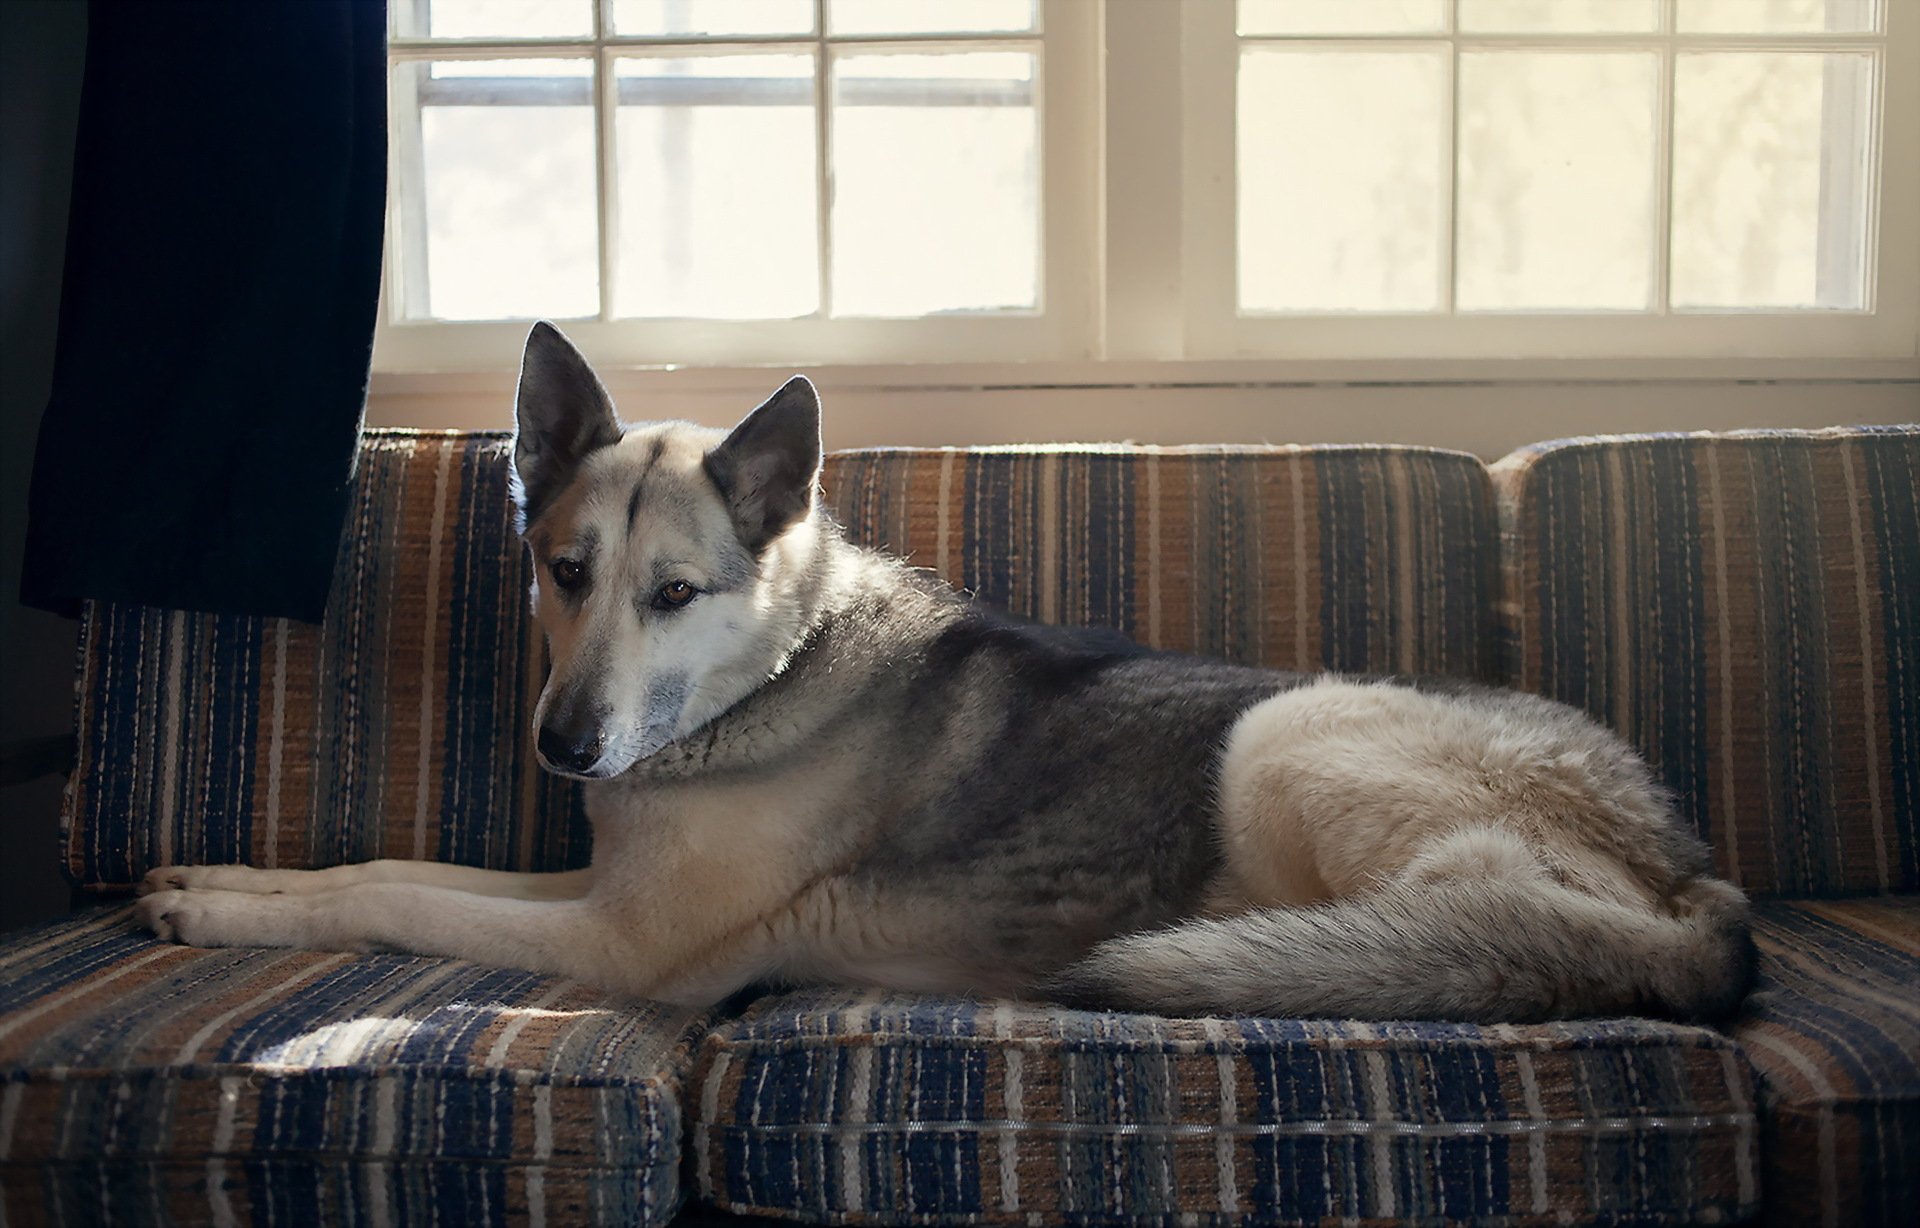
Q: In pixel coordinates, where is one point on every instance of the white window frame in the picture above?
(1137, 157)
(1063, 324)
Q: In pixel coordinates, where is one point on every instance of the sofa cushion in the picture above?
(890, 1110)
(397, 728)
(1741, 607)
(142, 1081)
(400, 727)
(1366, 559)
(1834, 1034)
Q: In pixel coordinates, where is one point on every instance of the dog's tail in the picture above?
(1498, 949)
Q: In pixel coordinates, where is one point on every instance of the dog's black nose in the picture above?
(574, 753)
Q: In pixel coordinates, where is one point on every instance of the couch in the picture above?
(1744, 607)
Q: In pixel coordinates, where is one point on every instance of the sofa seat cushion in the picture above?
(143, 1081)
(832, 1107)
(1834, 1033)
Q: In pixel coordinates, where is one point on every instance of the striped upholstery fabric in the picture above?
(1746, 609)
(143, 1082)
(400, 727)
(1834, 1032)
(895, 1110)
(1366, 559)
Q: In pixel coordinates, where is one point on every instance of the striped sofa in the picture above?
(1744, 607)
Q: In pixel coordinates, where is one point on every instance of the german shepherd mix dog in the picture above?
(808, 762)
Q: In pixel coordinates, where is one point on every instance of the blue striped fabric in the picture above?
(400, 726)
(1742, 608)
(146, 1082)
(1834, 1034)
(897, 1109)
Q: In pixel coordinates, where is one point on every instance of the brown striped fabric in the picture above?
(1364, 559)
(836, 1107)
(1834, 1033)
(400, 726)
(397, 728)
(144, 1082)
(1746, 609)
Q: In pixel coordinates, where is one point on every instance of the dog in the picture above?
(806, 762)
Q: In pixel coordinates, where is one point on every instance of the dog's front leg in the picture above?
(511, 884)
(584, 938)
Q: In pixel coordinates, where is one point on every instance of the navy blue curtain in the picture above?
(216, 320)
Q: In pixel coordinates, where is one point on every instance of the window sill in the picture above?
(1179, 374)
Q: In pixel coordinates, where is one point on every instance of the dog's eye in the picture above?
(569, 574)
(674, 595)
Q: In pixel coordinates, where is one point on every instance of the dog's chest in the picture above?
(725, 856)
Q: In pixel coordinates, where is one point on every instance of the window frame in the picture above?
(1063, 324)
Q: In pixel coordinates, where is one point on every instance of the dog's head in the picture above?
(666, 557)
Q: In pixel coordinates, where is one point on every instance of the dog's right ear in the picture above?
(561, 413)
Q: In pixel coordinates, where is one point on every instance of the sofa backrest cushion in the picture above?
(392, 729)
(1365, 559)
(400, 727)
(1746, 609)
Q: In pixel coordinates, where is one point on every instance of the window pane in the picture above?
(494, 18)
(1342, 16)
(936, 183)
(712, 17)
(1770, 179)
(930, 16)
(718, 215)
(507, 203)
(1572, 16)
(1556, 179)
(1343, 213)
(1777, 16)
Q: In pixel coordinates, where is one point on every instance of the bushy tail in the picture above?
(1512, 950)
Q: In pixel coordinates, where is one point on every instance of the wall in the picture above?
(1475, 408)
(42, 46)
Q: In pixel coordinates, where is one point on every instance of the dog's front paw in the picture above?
(218, 919)
(163, 878)
(160, 909)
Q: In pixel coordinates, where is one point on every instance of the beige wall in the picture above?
(1489, 418)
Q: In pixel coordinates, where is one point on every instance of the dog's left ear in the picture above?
(769, 467)
(561, 413)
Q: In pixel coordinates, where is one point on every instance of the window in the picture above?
(879, 181)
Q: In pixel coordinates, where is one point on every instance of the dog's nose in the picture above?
(572, 752)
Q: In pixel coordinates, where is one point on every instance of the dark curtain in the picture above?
(216, 319)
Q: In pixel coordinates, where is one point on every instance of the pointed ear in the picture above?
(769, 468)
(561, 413)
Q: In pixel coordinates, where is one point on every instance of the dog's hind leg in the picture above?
(1397, 854)
(505, 884)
